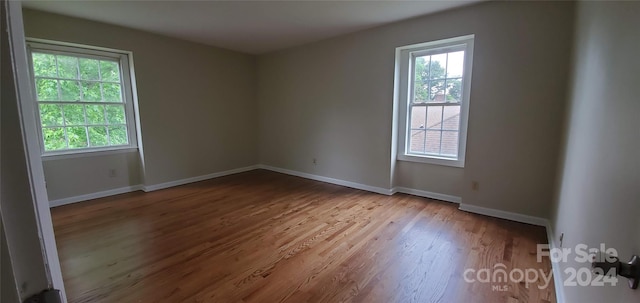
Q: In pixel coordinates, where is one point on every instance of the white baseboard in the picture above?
(427, 194)
(503, 214)
(91, 196)
(555, 267)
(379, 190)
(148, 188)
(374, 189)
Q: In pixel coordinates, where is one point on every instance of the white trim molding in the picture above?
(491, 212)
(555, 266)
(126, 79)
(374, 189)
(406, 57)
(147, 188)
(379, 190)
(154, 187)
(427, 194)
(91, 196)
(93, 153)
(19, 66)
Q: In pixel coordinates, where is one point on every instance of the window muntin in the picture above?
(434, 107)
(434, 95)
(83, 98)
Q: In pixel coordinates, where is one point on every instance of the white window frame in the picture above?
(127, 78)
(405, 59)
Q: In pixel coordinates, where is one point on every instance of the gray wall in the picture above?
(8, 288)
(90, 174)
(197, 108)
(599, 181)
(332, 100)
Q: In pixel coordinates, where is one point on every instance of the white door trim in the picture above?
(32, 145)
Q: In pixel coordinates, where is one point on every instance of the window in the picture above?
(434, 84)
(84, 98)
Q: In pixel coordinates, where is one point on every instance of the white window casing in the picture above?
(127, 95)
(445, 94)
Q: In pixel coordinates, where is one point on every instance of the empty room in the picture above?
(320, 151)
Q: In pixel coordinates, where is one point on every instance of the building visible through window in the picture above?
(436, 76)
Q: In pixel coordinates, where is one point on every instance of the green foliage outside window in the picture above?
(431, 84)
(64, 85)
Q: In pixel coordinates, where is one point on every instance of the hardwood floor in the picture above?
(261, 236)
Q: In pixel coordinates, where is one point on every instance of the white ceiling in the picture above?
(247, 26)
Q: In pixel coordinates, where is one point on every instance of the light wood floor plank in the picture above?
(261, 236)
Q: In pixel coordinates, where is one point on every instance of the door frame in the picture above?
(35, 169)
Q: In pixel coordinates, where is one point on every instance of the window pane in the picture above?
(73, 114)
(433, 142)
(111, 92)
(435, 75)
(115, 114)
(434, 117)
(95, 115)
(67, 67)
(109, 71)
(420, 92)
(449, 143)
(438, 66)
(50, 115)
(418, 115)
(77, 137)
(54, 138)
(44, 65)
(436, 90)
(454, 90)
(91, 91)
(69, 90)
(451, 118)
(73, 78)
(416, 143)
(98, 136)
(47, 90)
(89, 69)
(455, 64)
(118, 135)
(421, 79)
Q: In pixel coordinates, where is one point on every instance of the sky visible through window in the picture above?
(434, 126)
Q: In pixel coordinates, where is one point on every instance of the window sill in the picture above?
(88, 153)
(432, 160)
